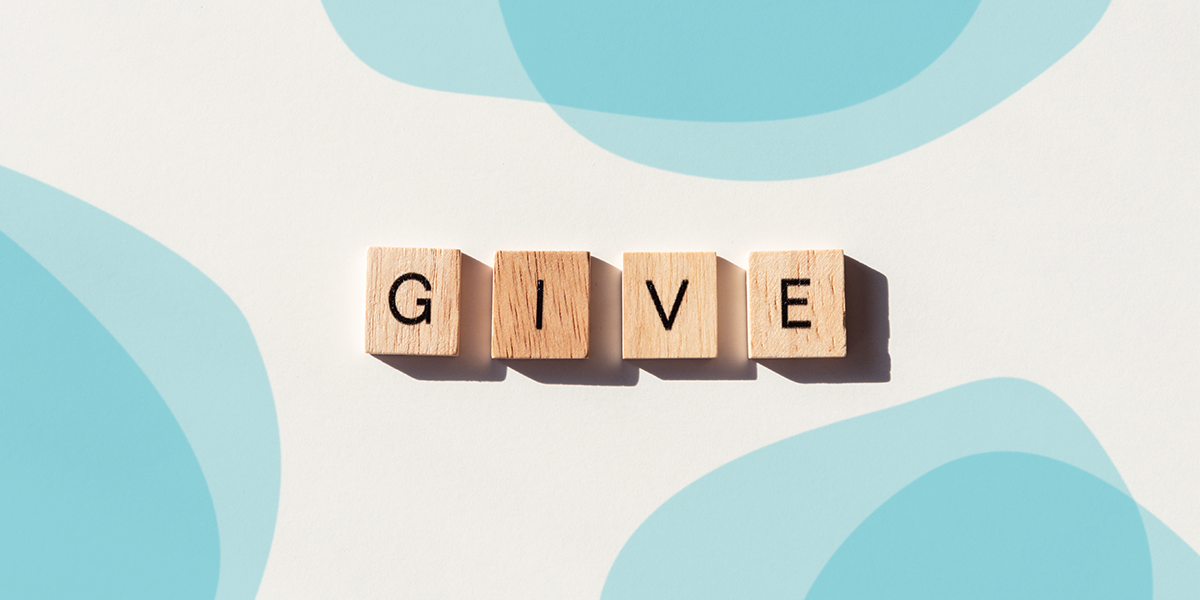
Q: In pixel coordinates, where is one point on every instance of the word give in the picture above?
(796, 303)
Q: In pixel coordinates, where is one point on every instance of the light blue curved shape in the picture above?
(764, 525)
(449, 45)
(100, 495)
(189, 339)
(995, 526)
(1176, 565)
(1005, 45)
(718, 60)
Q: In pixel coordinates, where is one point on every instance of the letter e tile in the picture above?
(796, 304)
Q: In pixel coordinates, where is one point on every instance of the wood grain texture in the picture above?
(815, 298)
(666, 329)
(434, 312)
(563, 331)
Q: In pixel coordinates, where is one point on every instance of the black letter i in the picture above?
(541, 295)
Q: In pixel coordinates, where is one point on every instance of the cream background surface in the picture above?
(1054, 238)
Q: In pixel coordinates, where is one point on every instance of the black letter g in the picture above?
(425, 316)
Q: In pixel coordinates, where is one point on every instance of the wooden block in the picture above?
(540, 304)
(796, 303)
(412, 301)
(669, 305)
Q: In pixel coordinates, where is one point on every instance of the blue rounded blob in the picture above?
(716, 60)
(449, 45)
(100, 493)
(748, 91)
(767, 524)
(1006, 44)
(996, 526)
(207, 370)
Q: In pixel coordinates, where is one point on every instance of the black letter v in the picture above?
(667, 321)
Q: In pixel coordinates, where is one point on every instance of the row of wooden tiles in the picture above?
(795, 303)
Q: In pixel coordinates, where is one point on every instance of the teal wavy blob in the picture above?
(767, 90)
(1006, 45)
(768, 523)
(449, 45)
(100, 493)
(191, 342)
(1176, 565)
(995, 526)
(716, 60)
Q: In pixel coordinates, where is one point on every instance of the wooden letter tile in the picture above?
(797, 304)
(540, 304)
(669, 305)
(412, 301)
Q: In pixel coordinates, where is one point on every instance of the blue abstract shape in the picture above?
(995, 526)
(766, 524)
(715, 60)
(101, 495)
(449, 45)
(1176, 565)
(188, 338)
(1004, 46)
(703, 88)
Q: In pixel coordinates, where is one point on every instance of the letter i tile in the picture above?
(540, 304)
